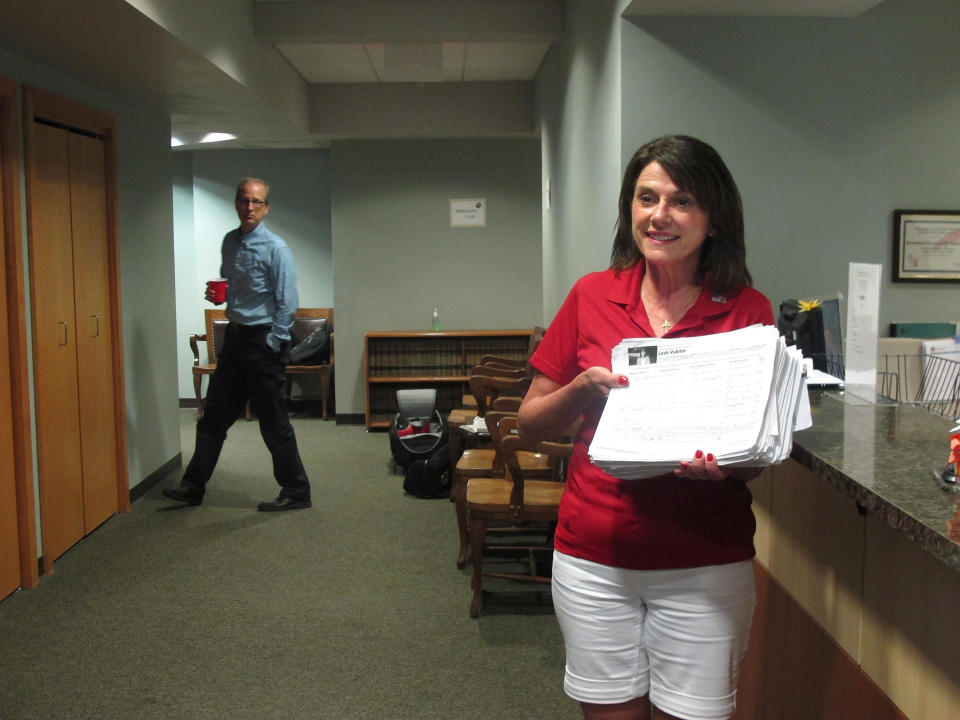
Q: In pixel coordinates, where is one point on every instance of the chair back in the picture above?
(535, 337)
(305, 321)
(216, 323)
(486, 389)
(494, 421)
(510, 444)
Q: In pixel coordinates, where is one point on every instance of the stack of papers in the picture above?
(739, 395)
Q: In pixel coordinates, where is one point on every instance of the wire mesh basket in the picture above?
(939, 390)
(929, 381)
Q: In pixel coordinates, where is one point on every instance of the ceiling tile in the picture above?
(334, 62)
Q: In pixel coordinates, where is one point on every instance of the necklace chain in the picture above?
(666, 324)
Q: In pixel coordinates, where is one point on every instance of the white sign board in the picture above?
(468, 212)
(863, 311)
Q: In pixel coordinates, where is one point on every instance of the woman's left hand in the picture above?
(703, 467)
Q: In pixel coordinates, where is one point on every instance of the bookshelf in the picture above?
(441, 360)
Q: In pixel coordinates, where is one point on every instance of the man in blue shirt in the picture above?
(261, 302)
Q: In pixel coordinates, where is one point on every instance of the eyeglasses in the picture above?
(257, 204)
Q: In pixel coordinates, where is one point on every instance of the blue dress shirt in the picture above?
(261, 282)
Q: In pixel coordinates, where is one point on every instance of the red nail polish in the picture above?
(623, 380)
(699, 454)
(709, 457)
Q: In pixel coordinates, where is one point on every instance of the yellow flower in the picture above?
(806, 305)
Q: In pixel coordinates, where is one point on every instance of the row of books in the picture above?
(435, 358)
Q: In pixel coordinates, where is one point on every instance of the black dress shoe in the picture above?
(284, 503)
(184, 494)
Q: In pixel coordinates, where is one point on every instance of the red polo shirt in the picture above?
(656, 523)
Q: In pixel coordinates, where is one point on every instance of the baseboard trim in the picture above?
(351, 419)
(147, 484)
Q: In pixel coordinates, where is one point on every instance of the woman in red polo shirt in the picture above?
(652, 579)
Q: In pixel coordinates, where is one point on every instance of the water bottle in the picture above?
(436, 319)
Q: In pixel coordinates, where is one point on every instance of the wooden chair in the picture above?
(515, 499)
(305, 321)
(487, 462)
(486, 391)
(497, 366)
(215, 322)
(494, 361)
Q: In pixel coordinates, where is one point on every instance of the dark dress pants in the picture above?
(248, 369)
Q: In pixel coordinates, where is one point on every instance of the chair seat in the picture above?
(462, 416)
(480, 461)
(477, 461)
(492, 495)
(309, 369)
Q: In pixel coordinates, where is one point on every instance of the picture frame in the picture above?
(926, 246)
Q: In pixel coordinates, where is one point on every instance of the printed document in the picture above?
(736, 394)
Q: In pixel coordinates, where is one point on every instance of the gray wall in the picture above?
(204, 186)
(578, 94)
(146, 259)
(828, 126)
(396, 257)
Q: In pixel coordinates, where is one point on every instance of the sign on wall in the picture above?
(468, 212)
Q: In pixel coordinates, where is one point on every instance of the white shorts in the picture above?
(678, 635)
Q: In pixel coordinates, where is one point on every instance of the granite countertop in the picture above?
(886, 458)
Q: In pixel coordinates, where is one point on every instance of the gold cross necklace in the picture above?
(666, 324)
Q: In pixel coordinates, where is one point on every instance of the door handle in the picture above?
(62, 340)
(96, 320)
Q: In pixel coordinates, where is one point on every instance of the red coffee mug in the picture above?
(219, 288)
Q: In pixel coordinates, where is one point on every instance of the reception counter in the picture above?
(886, 457)
(858, 571)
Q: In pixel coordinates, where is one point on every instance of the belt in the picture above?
(248, 329)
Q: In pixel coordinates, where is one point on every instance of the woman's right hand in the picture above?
(600, 381)
(549, 408)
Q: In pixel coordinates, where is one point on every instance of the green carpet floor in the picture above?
(353, 609)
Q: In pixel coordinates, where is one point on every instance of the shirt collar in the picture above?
(254, 234)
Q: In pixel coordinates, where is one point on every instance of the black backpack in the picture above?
(313, 349)
(429, 477)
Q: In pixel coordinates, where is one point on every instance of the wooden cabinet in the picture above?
(854, 618)
(441, 360)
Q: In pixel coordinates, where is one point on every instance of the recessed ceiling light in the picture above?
(217, 137)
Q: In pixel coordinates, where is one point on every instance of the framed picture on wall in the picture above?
(926, 246)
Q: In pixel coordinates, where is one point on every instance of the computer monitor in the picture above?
(832, 335)
(817, 332)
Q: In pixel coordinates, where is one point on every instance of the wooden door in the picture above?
(55, 340)
(74, 285)
(9, 525)
(91, 283)
(18, 540)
